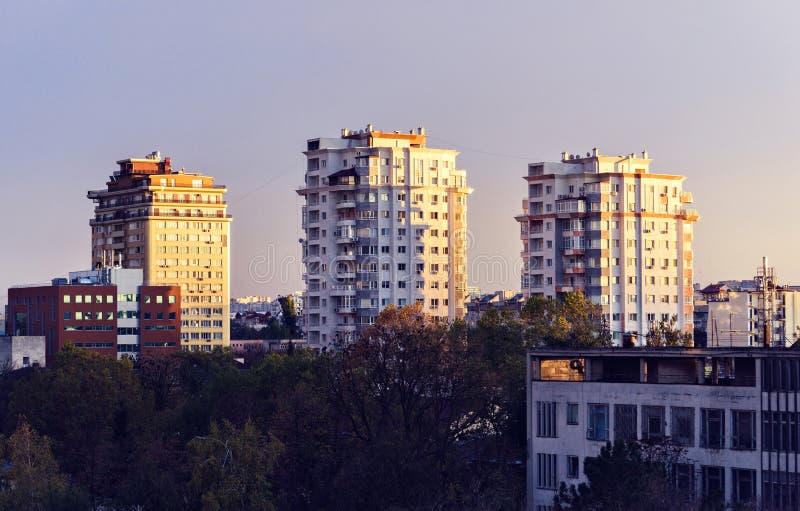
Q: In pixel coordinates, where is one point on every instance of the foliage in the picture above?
(32, 480)
(626, 476)
(571, 321)
(667, 333)
(231, 468)
(416, 414)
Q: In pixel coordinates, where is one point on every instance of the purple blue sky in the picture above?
(233, 89)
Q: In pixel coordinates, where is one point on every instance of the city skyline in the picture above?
(525, 90)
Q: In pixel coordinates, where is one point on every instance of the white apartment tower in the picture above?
(385, 222)
(608, 227)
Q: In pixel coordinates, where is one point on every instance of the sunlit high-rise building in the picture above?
(173, 225)
(385, 222)
(610, 228)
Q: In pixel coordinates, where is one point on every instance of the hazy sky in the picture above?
(233, 89)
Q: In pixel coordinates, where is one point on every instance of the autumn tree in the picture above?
(406, 401)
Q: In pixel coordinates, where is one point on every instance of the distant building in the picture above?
(500, 300)
(733, 410)
(757, 312)
(108, 310)
(17, 352)
(385, 220)
(173, 226)
(610, 228)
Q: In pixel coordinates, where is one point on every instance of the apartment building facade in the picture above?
(174, 226)
(108, 310)
(610, 228)
(733, 412)
(385, 221)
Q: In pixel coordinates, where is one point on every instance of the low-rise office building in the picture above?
(108, 310)
(735, 412)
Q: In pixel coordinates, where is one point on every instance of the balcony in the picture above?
(574, 268)
(690, 214)
(346, 256)
(686, 198)
(346, 309)
(346, 204)
(345, 222)
(570, 288)
(343, 290)
(346, 239)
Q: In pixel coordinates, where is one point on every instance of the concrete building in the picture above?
(108, 310)
(502, 301)
(18, 352)
(734, 411)
(385, 221)
(174, 226)
(609, 227)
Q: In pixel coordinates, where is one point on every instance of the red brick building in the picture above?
(107, 310)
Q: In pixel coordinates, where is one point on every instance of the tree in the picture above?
(289, 312)
(32, 480)
(407, 403)
(231, 468)
(667, 333)
(571, 321)
(92, 408)
(627, 476)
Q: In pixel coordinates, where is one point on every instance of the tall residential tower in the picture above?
(608, 227)
(174, 226)
(385, 223)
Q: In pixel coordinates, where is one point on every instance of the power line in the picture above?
(464, 148)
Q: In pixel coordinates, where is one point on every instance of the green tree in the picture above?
(92, 408)
(667, 333)
(289, 312)
(33, 481)
(570, 321)
(627, 476)
(231, 468)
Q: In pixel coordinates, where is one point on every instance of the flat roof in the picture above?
(667, 351)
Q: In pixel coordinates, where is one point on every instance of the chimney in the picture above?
(420, 130)
(644, 153)
(564, 155)
(369, 127)
(595, 152)
(345, 132)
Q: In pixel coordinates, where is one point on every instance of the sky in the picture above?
(234, 89)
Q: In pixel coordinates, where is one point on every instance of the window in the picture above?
(744, 485)
(546, 419)
(572, 414)
(712, 428)
(743, 429)
(67, 315)
(683, 478)
(66, 299)
(597, 427)
(713, 482)
(780, 490)
(779, 431)
(653, 422)
(546, 471)
(624, 422)
(683, 425)
(573, 467)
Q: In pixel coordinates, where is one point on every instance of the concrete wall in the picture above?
(17, 350)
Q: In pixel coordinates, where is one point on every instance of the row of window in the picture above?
(122, 297)
(779, 487)
(654, 424)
